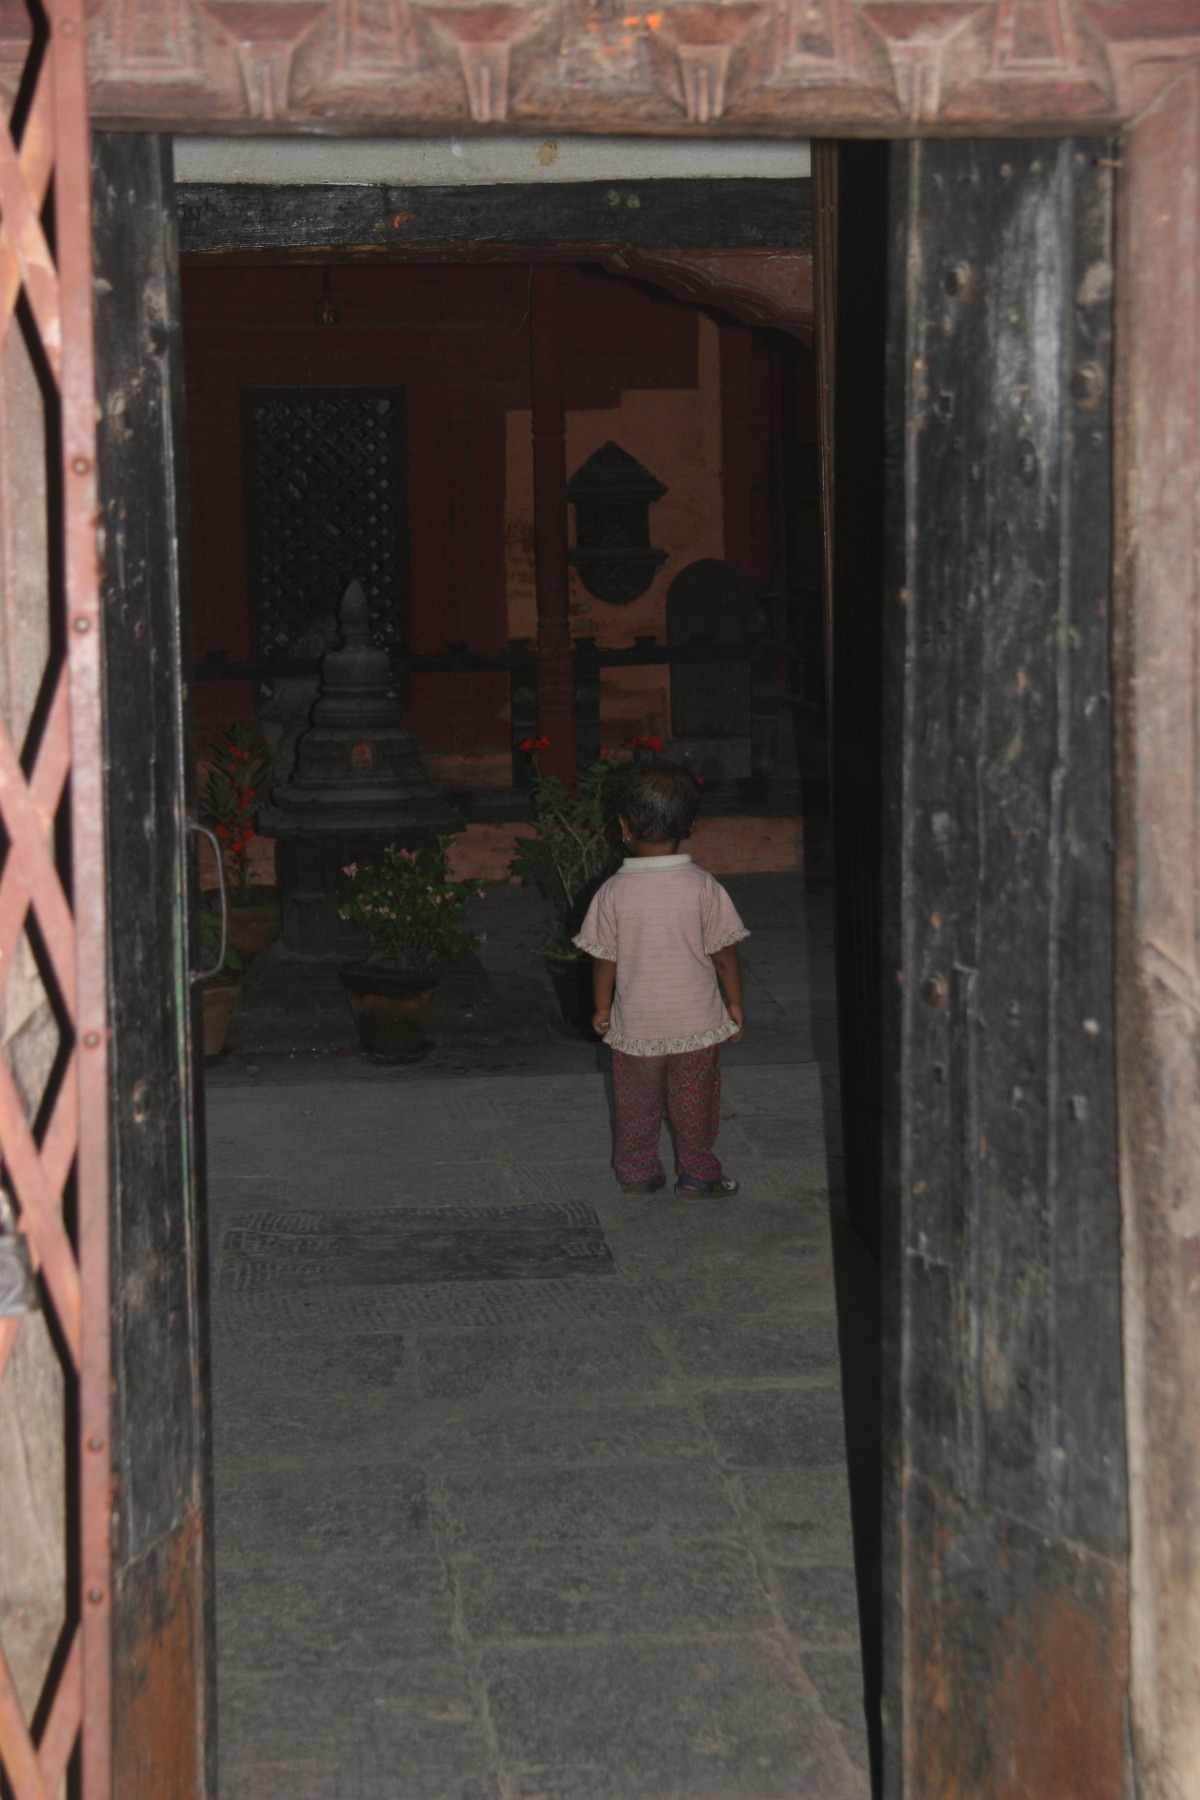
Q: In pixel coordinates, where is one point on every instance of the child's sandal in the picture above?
(644, 1187)
(689, 1187)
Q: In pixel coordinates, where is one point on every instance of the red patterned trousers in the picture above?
(684, 1088)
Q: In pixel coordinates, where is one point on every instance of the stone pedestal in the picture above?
(358, 786)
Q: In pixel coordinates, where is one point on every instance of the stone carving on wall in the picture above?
(753, 65)
(612, 495)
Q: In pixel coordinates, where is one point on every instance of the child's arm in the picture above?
(729, 974)
(604, 986)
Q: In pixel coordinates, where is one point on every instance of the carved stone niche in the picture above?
(612, 495)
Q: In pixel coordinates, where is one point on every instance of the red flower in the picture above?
(221, 832)
(247, 832)
(537, 743)
(643, 743)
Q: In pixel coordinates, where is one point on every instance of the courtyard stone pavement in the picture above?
(526, 1490)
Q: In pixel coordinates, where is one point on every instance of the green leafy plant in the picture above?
(574, 847)
(238, 774)
(411, 913)
(210, 940)
(576, 844)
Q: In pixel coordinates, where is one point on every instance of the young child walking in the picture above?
(663, 933)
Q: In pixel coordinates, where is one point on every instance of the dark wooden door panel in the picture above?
(163, 1743)
(1007, 1529)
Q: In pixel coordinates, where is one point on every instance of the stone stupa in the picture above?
(358, 785)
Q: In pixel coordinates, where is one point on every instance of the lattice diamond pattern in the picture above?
(53, 1070)
(325, 505)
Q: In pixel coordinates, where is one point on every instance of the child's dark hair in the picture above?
(659, 801)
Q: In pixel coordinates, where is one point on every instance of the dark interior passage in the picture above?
(346, 413)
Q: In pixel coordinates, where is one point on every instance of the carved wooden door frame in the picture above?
(807, 67)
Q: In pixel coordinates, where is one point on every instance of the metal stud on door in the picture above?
(54, 1108)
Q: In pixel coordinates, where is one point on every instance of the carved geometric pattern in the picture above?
(704, 38)
(375, 39)
(157, 40)
(484, 37)
(326, 504)
(817, 40)
(1035, 37)
(802, 65)
(53, 1111)
(265, 39)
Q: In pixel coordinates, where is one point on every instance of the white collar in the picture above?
(636, 865)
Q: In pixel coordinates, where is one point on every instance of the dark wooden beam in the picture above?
(697, 214)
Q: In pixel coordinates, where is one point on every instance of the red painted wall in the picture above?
(456, 339)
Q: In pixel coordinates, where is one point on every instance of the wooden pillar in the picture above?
(164, 1740)
(1006, 1596)
(556, 693)
(1158, 917)
(737, 434)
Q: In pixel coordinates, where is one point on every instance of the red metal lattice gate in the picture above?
(54, 1133)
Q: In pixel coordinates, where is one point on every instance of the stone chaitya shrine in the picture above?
(358, 785)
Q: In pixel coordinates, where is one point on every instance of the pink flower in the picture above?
(351, 869)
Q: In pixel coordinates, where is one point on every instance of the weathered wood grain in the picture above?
(702, 214)
(1158, 944)
(158, 1351)
(1009, 1528)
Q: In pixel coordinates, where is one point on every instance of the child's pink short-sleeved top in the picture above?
(660, 918)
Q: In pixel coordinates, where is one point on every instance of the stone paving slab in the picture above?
(579, 1589)
(518, 1535)
(325, 1612)
(619, 1502)
(406, 1732)
(694, 1721)
(546, 1360)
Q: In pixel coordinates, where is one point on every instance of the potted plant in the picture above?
(218, 990)
(239, 769)
(572, 852)
(414, 920)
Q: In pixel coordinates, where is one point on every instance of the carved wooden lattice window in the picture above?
(326, 503)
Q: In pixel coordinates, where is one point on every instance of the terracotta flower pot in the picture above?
(254, 923)
(391, 1009)
(219, 995)
(572, 978)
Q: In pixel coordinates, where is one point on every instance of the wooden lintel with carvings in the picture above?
(796, 67)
